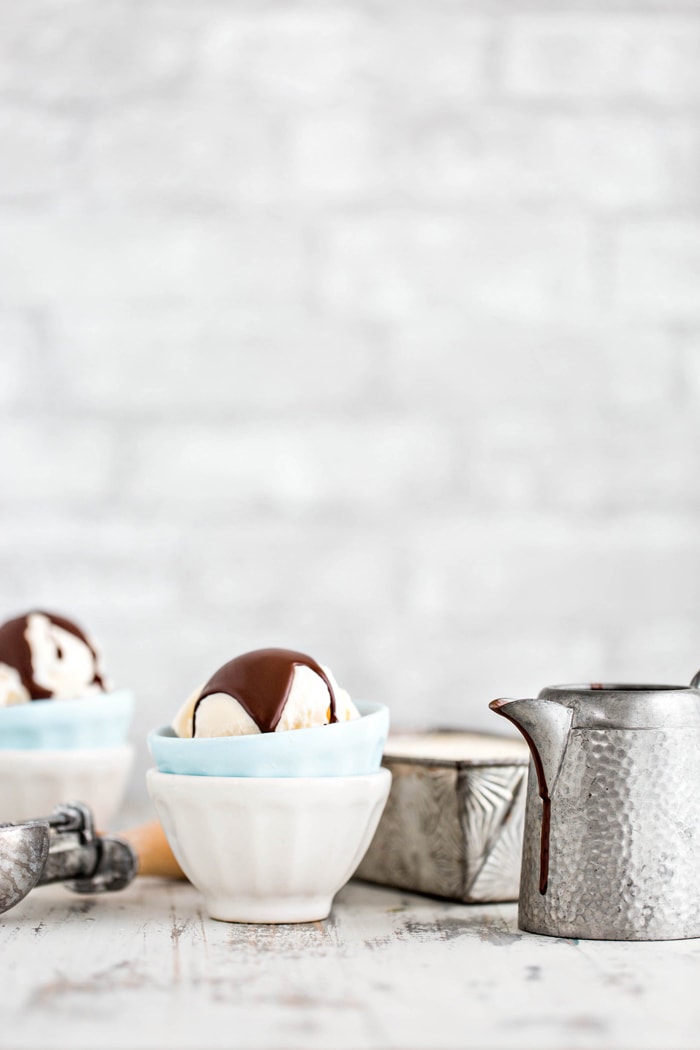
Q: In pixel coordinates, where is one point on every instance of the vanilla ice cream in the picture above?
(46, 657)
(266, 691)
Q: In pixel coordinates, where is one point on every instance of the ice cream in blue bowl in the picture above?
(351, 748)
(268, 714)
(63, 729)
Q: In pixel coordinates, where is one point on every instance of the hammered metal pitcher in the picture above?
(612, 824)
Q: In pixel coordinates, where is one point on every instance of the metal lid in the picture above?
(598, 705)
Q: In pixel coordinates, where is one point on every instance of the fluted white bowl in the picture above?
(269, 849)
(32, 782)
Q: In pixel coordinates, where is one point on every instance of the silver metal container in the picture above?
(453, 824)
(612, 830)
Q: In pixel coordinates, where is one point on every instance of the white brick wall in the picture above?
(658, 270)
(368, 329)
(635, 57)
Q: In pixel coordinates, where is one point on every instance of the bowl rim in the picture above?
(166, 737)
(262, 783)
(99, 705)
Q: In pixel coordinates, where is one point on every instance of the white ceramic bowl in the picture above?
(32, 782)
(269, 849)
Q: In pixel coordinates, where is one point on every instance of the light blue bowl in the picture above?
(339, 750)
(90, 721)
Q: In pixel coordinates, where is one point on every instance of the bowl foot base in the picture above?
(274, 910)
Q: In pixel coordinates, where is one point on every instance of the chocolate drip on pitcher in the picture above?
(543, 791)
(261, 681)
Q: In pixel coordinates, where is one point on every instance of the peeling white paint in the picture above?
(147, 968)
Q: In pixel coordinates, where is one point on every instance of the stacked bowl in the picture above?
(270, 826)
(52, 751)
(63, 730)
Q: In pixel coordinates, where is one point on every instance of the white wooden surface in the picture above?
(147, 968)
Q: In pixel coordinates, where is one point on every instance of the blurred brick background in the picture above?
(368, 328)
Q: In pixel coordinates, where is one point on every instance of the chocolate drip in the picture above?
(543, 791)
(15, 651)
(261, 682)
(72, 628)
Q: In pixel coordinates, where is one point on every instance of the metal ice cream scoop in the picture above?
(63, 847)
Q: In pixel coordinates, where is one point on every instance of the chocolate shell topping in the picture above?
(260, 681)
(15, 651)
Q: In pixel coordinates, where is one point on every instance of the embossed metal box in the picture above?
(453, 825)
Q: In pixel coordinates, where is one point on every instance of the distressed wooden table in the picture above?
(147, 968)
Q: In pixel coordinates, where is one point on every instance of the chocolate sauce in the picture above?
(543, 791)
(15, 651)
(72, 628)
(261, 682)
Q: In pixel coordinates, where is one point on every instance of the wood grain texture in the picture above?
(391, 971)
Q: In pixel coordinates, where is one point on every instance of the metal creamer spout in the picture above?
(545, 726)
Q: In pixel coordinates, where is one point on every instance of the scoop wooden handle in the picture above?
(153, 851)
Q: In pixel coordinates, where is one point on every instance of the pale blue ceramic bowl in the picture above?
(90, 721)
(339, 750)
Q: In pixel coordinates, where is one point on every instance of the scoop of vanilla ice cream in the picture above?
(11, 689)
(62, 663)
(182, 722)
(308, 705)
(45, 656)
